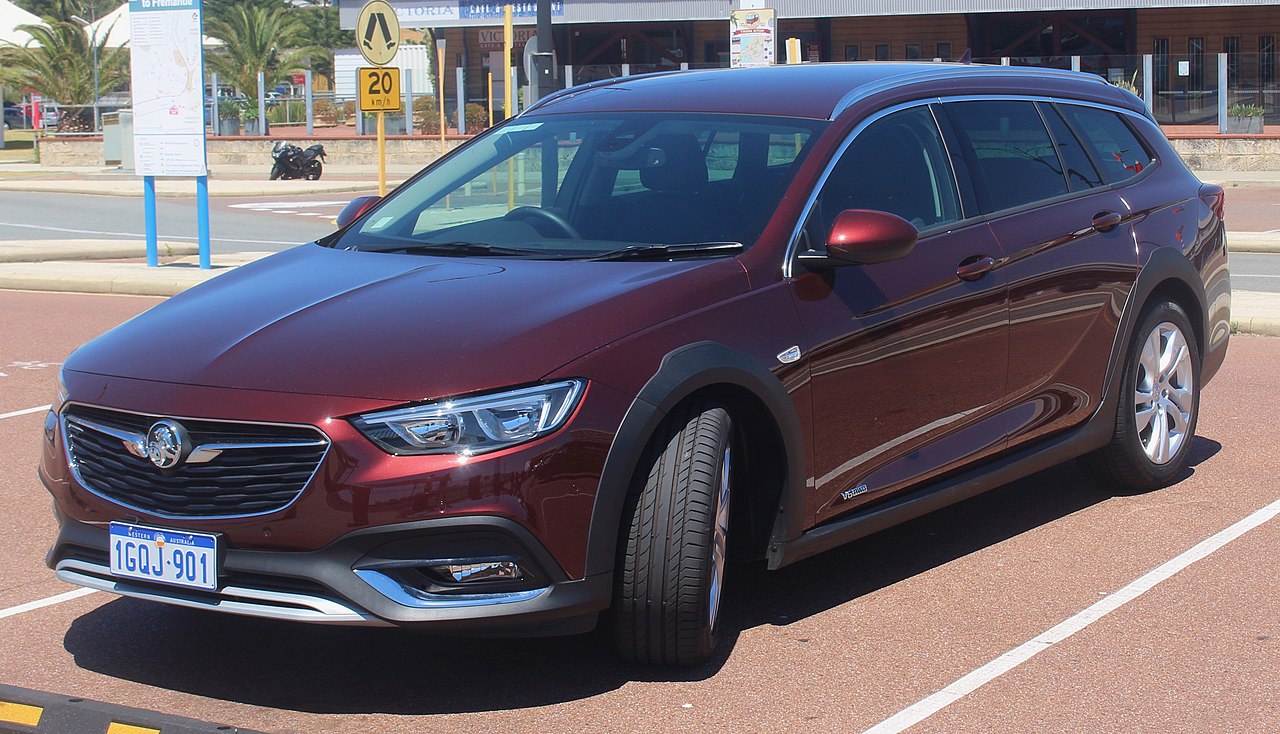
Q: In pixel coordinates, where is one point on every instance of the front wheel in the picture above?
(671, 565)
(275, 172)
(1159, 404)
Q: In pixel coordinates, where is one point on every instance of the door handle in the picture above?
(1107, 221)
(974, 267)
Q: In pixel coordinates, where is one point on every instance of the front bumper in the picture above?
(365, 578)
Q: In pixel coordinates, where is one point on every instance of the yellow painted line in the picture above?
(118, 728)
(18, 713)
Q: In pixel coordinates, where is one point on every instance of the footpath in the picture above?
(118, 266)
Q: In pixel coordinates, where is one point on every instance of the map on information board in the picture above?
(168, 87)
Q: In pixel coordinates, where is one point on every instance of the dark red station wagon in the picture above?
(649, 325)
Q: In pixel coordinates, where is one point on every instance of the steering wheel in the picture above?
(533, 212)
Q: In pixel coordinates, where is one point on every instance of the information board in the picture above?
(167, 61)
(752, 37)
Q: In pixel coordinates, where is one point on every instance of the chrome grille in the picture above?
(254, 469)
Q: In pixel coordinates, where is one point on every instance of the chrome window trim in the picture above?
(63, 419)
(793, 245)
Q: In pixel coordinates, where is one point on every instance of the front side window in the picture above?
(1117, 150)
(1009, 149)
(898, 164)
(567, 186)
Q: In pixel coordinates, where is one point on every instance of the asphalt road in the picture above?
(235, 225)
(1251, 271)
(840, 642)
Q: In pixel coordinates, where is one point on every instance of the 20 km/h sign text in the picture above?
(379, 88)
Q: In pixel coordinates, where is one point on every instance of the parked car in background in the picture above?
(15, 118)
(650, 326)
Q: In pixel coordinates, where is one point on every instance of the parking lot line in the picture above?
(48, 601)
(25, 411)
(932, 704)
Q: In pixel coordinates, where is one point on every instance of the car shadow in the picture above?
(319, 669)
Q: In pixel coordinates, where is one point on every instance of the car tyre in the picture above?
(1159, 404)
(671, 564)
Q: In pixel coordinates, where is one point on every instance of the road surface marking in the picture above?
(46, 602)
(25, 411)
(135, 234)
(932, 704)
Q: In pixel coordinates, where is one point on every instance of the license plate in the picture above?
(174, 557)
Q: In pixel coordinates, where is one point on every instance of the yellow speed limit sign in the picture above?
(378, 32)
(379, 88)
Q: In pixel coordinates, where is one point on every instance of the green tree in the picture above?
(256, 37)
(321, 31)
(90, 10)
(58, 63)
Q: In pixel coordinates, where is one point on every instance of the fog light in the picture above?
(484, 571)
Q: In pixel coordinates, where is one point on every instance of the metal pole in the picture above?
(217, 118)
(1222, 93)
(542, 85)
(149, 214)
(509, 84)
(97, 118)
(408, 101)
(262, 103)
(1148, 82)
(310, 102)
(568, 76)
(461, 88)
(382, 154)
(626, 69)
(1075, 63)
(202, 219)
(440, 94)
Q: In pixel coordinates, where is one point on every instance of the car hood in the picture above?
(398, 327)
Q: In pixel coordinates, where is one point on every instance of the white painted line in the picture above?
(25, 411)
(932, 704)
(1251, 275)
(46, 602)
(135, 234)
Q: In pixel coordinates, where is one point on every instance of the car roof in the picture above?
(817, 91)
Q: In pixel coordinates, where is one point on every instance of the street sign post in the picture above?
(378, 38)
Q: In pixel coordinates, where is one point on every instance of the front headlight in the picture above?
(473, 425)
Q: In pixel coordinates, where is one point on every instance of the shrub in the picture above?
(1245, 110)
(426, 117)
(325, 111)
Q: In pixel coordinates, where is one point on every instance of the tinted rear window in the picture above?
(1081, 174)
(1117, 150)
(1007, 144)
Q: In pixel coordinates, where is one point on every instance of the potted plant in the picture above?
(1244, 118)
(230, 111)
(253, 125)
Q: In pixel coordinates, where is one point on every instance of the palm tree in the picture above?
(58, 63)
(256, 38)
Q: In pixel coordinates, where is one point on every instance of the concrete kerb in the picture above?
(31, 251)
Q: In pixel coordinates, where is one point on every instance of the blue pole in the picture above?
(202, 219)
(149, 213)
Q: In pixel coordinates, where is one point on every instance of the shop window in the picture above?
(1231, 47)
(944, 52)
(1266, 61)
(1160, 64)
(851, 52)
(1195, 54)
(913, 51)
(882, 52)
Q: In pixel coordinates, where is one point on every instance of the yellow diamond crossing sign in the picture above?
(378, 32)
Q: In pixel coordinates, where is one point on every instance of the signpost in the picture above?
(167, 60)
(378, 37)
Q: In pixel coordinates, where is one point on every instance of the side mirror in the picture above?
(356, 209)
(863, 237)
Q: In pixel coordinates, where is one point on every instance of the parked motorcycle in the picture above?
(294, 162)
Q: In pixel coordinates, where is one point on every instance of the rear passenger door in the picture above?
(1071, 258)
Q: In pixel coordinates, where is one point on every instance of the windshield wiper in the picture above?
(671, 252)
(459, 249)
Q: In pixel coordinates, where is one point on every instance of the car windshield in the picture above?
(616, 186)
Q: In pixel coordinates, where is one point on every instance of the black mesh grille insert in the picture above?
(238, 481)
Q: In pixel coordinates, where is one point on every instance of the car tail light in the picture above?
(1214, 197)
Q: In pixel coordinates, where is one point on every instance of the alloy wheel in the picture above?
(1163, 393)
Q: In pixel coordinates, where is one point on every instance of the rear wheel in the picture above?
(671, 566)
(313, 171)
(1159, 404)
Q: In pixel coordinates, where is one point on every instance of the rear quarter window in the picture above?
(1117, 150)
